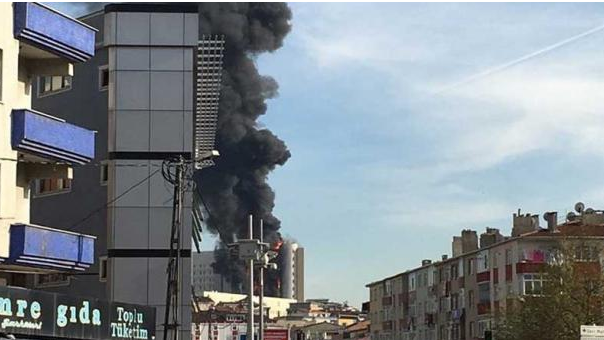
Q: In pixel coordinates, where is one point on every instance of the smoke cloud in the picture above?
(237, 185)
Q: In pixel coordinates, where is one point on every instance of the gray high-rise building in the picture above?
(203, 277)
(137, 93)
(292, 271)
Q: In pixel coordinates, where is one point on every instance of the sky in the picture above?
(409, 122)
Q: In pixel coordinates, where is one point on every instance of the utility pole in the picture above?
(175, 172)
(261, 284)
(250, 318)
(255, 254)
(171, 314)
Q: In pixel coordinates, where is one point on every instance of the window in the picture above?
(51, 280)
(48, 85)
(454, 273)
(471, 298)
(454, 301)
(472, 329)
(470, 266)
(104, 173)
(50, 186)
(388, 288)
(483, 326)
(484, 292)
(455, 332)
(485, 262)
(508, 256)
(103, 78)
(586, 253)
(103, 268)
(532, 284)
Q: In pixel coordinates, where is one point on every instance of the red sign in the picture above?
(276, 334)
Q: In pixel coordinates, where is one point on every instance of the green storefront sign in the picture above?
(31, 312)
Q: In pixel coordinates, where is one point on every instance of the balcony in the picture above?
(483, 277)
(48, 248)
(484, 308)
(46, 33)
(42, 138)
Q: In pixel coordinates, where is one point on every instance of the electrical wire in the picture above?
(203, 202)
(104, 206)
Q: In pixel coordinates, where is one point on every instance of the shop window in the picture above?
(48, 85)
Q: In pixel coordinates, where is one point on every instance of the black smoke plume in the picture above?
(237, 185)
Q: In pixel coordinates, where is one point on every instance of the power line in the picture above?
(203, 202)
(104, 206)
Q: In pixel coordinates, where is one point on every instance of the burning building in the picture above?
(285, 282)
(292, 271)
(237, 185)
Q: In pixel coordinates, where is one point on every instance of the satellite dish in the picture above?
(579, 207)
(571, 216)
(589, 211)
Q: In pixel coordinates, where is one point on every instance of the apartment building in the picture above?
(36, 146)
(457, 297)
(138, 94)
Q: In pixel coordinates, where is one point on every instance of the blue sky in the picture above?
(385, 169)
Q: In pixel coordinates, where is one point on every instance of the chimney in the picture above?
(523, 224)
(490, 237)
(457, 246)
(552, 220)
(445, 257)
(426, 262)
(469, 241)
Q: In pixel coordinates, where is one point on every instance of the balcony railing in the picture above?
(48, 138)
(38, 246)
(48, 30)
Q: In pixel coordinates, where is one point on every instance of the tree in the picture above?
(572, 295)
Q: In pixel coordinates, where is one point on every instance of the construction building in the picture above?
(138, 94)
(456, 298)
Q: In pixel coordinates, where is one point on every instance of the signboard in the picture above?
(592, 332)
(276, 334)
(31, 312)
